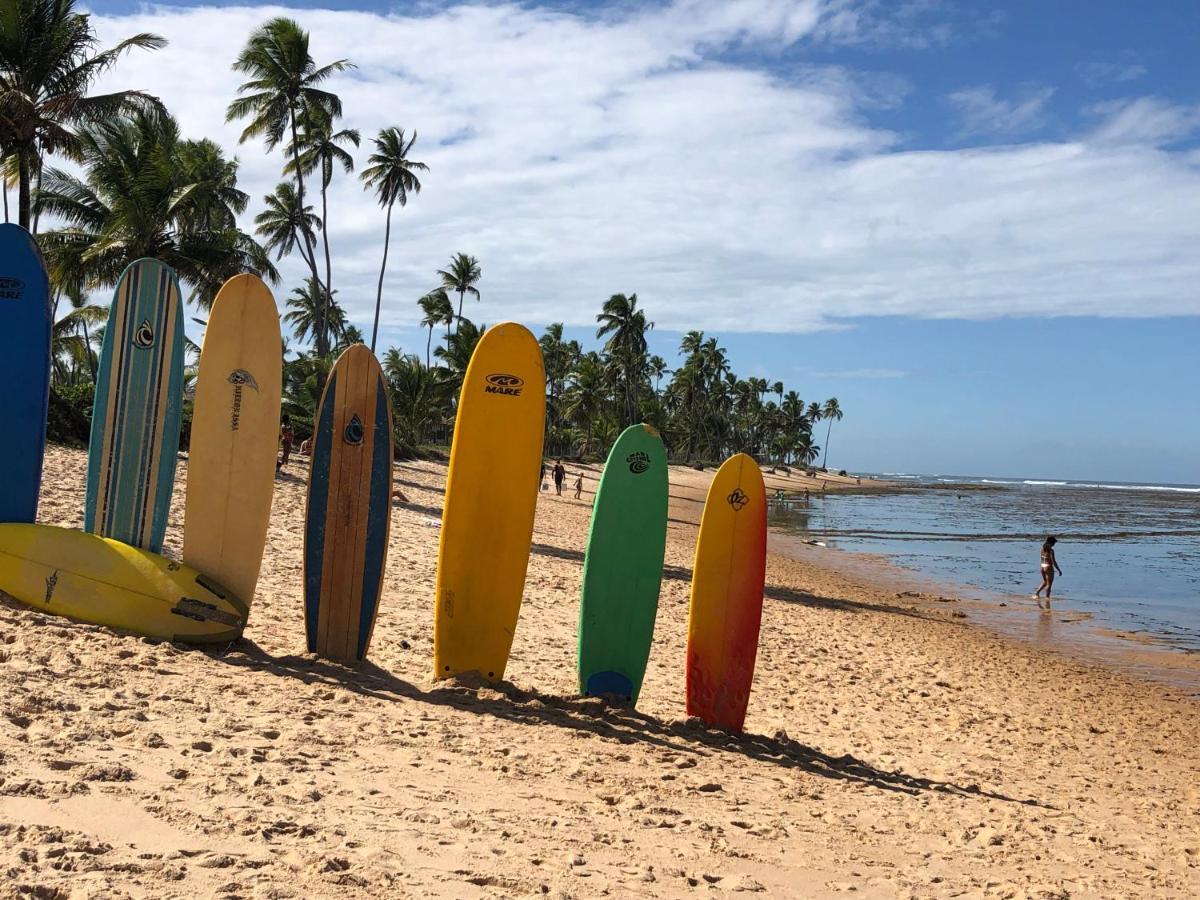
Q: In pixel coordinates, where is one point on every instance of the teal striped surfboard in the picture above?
(135, 419)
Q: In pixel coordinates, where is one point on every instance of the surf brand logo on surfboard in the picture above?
(639, 462)
(505, 385)
(737, 500)
(51, 584)
(11, 288)
(239, 378)
(354, 433)
(144, 336)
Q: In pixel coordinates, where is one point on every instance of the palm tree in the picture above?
(459, 347)
(306, 307)
(437, 308)
(46, 68)
(418, 398)
(323, 148)
(626, 327)
(145, 191)
(831, 412)
(658, 368)
(281, 222)
(283, 84)
(461, 276)
(391, 175)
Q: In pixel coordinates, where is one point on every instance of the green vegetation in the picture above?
(143, 189)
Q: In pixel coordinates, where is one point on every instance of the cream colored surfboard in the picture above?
(235, 434)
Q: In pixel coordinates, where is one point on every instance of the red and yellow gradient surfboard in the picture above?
(727, 595)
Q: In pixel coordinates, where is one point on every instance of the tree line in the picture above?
(143, 189)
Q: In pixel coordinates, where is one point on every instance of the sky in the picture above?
(976, 225)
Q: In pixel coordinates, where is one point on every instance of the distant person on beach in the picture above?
(560, 475)
(286, 436)
(543, 478)
(579, 486)
(1049, 566)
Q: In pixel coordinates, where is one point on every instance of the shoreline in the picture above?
(890, 751)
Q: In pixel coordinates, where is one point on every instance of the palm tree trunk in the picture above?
(321, 333)
(23, 194)
(87, 349)
(428, 344)
(825, 453)
(458, 320)
(325, 241)
(387, 238)
(5, 186)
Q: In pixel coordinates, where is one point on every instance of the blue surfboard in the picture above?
(139, 400)
(24, 372)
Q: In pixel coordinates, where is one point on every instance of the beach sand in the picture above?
(894, 749)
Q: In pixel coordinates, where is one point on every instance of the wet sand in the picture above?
(894, 748)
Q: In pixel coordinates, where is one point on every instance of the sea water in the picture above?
(1130, 553)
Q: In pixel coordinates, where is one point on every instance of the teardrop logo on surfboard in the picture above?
(354, 434)
(144, 336)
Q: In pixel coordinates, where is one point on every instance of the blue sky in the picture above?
(979, 229)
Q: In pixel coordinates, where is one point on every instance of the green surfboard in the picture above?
(622, 569)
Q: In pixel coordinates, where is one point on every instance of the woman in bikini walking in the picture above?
(1049, 566)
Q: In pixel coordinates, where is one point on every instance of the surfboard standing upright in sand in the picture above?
(24, 371)
(349, 508)
(135, 419)
(727, 595)
(622, 568)
(235, 433)
(106, 582)
(491, 497)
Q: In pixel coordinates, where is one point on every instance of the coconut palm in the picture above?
(145, 191)
(282, 86)
(625, 326)
(306, 306)
(657, 366)
(281, 223)
(391, 174)
(323, 148)
(47, 65)
(419, 399)
(461, 276)
(437, 309)
(459, 347)
(831, 411)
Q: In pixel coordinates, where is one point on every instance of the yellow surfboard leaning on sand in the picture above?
(235, 434)
(491, 496)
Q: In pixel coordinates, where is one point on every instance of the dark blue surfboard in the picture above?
(24, 372)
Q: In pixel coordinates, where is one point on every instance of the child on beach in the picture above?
(1049, 565)
(579, 486)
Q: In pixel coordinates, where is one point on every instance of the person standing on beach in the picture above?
(1049, 566)
(579, 486)
(286, 436)
(560, 474)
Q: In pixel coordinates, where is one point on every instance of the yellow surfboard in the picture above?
(491, 496)
(727, 595)
(99, 580)
(235, 433)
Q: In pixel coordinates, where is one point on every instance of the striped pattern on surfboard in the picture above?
(349, 508)
(135, 419)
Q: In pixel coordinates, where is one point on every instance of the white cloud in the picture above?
(1096, 74)
(984, 113)
(578, 157)
(1145, 120)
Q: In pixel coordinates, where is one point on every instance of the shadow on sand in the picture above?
(592, 715)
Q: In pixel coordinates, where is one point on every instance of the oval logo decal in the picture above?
(505, 381)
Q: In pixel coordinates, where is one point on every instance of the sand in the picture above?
(894, 748)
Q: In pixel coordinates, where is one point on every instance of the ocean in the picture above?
(1130, 553)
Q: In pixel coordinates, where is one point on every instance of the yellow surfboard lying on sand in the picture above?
(235, 433)
(491, 496)
(102, 581)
